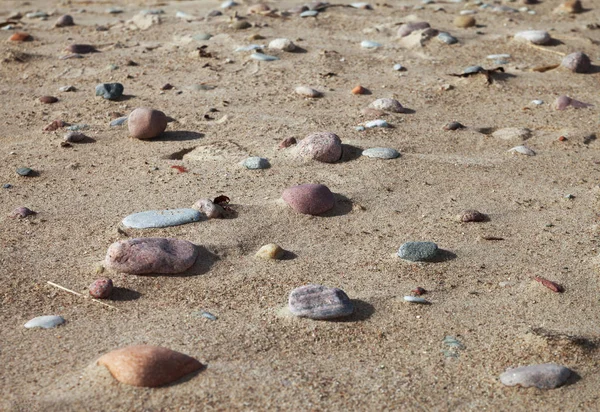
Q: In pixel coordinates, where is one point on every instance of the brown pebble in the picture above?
(81, 48)
(553, 286)
(471, 216)
(20, 36)
(287, 142)
(55, 125)
(464, 22)
(144, 123)
(64, 21)
(167, 86)
(562, 139)
(359, 90)
(101, 288)
(419, 291)
(48, 99)
(569, 7)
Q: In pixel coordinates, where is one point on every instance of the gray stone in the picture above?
(542, 376)
(473, 69)
(418, 251)
(46, 322)
(368, 44)
(381, 153)
(119, 121)
(263, 57)
(256, 163)
(161, 218)
(319, 302)
(447, 38)
(309, 13)
(109, 91)
(24, 171)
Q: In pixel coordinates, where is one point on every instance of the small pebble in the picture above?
(109, 91)
(45, 322)
(101, 288)
(498, 56)
(270, 251)
(415, 299)
(37, 15)
(202, 36)
(258, 8)
(287, 142)
(22, 212)
(319, 302)
(74, 137)
(471, 216)
(48, 99)
(542, 376)
(241, 25)
(524, 150)
(67, 89)
(228, 4)
(254, 163)
(464, 21)
(381, 153)
(562, 102)
(81, 48)
(537, 102)
(569, 7)
(64, 21)
(359, 90)
(250, 47)
(208, 315)
(77, 127)
(473, 69)
(447, 38)
(282, 44)
(309, 13)
(308, 92)
(20, 37)
(453, 126)
(144, 123)
(210, 209)
(398, 67)
(24, 171)
(388, 105)
(377, 123)
(418, 251)
(322, 146)
(408, 28)
(367, 44)
(309, 199)
(577, 62)
(534, 36)
(263, 57)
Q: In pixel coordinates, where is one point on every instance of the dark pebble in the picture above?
(101, 288)
(453, 126)
(48, 99)
(81, 48)
(109, 91)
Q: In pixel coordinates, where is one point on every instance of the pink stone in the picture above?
(151, 255)
(309, 199)
(22, 212)
(144, 123)
(408, 28)
(323, 146)
(101, 288)
(577, 62)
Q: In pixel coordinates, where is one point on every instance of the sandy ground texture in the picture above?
(389, 355)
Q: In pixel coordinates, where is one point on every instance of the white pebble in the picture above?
(46, 322)
(415, 299)
(537, 102)
(282, 44)
(368, 44)
(534, 36)
(524, 150)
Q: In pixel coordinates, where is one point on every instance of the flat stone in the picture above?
(256, 163)
(309, 199)
(143, 256)
(473, 69)
(408, 28)
(263, 57)
(161, 218)
(512, 133)
(120, 121)
(319, 302)
(308, 92)
(45, 322)
(524, 150)
(109, 91)
(377, 123)
(270, 251)
(368, 44)
(534, 36)
(309, 13)
(542, 376)
(418, 251)
(24, 171)
(388, 105)
(323, 146)
(415, 299)
(381, 153)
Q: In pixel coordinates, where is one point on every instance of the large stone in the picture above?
(319, 302)
(161, 218)
(309, 199)
(577, 62)
(542, 376)
(324, 147)
(144, 123)
(534, 36)
(418, 251)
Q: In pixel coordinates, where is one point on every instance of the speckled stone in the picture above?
(322, 146)
(577, 62)
(388, 105)
(45, 322)
(418, 251)
(144, 123)
(101, 288)
(109, 91)
(309, 199)
(542, 376)
(151, 255)
(64, 21)
(255, 163)
(161, 218)
(74, 137)
(319, 302)
(471, 215)
(282, 44)
(381, 153)
(308, 92)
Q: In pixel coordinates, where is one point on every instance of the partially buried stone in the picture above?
(287, 142)
(144, 123)
(534, 36)
(101, 288)
(143, 256)
(48, 99)
(415, 299)
(263, 57)
(22, 212)
(464, 22)
(118, 121)
(577, 62)
(270, 251)
(447, 38)
(20, 37)
(75, 137)
(25, 171)
(381, 153)
(241, 25)
(542, 376)
(512, 133)
(388, 105)
(408, 28)
(64, 21)
(418, 251)
(282, 44)
(161, 218)
(148, 366)
(309, 13)
(309, 199)
(368, 44)
(323, 146)
(524, 150)
(109, 91)
(255, 163)
(45, 322)
(319, 302)
(471, 216)
(308, 92)
(210, 209)
(81, 48)
(569, 7)
(473, 69)
(377, 123)
(453, 126)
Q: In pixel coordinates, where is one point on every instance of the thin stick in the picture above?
(547, 50)
(79, 294)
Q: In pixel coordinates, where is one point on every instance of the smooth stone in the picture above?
(282, 44)
(464, 21)
(447, 38)
(309, 13)
(309, 199)
(319, 302)
(377, 123)
(74, 137)
(64, 21)
(68, 88)
(398, 67)
(537, 102)
(228, 4)
(408, 28)
(120, 121)
(24, 171)
(250, 47)
(143, 256)
(473, 69)
(381, 153)
(512, 133)
(210, 209)
(202, 36)
(81, 48)
(255, 163)
(144, 123)
(22, 212)
(542, 376)
(467, 12)
(361, 5)
(524, 150)
(270, 251)
(418, 251)
(161, 218)
(308, 92)
(577, 62)
(368, 44)
(241, 25)
(497, 56)
(453, 126)
(48, 99)
(45, 322)
(322, 146)
(534, 36)
(109, 91)
(415, 299)
(37, 15)
(388, 105)
(148, 366)
(77, 127)
(101, 288)
(263, 57)
(471, 215)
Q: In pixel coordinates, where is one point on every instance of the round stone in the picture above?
(74, 137)
(388, 105)
(101, 288)
(144, 123)
(542, 376)
(143, 256)
(270, 251)
(418, 251)
(309, 199)
(241, 25)
(64, 21)
(464, 21)
(282, 44)
(308, 92)
(471, 216)
(381, 153)
(109, 91)
(210, 209)
(45, 322)
(408, 28)
(534, 36)
(322, 146)
(319, 302)
(577, 62)
(254, 163)
(161, 218)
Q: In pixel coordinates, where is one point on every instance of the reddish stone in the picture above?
(309, 199)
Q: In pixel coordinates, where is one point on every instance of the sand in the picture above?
(389, 354)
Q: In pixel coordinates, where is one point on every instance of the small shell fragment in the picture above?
(524, 150)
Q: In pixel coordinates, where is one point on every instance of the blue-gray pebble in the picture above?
(24, 171)
(162, 218)
(381, 153)
(256, 163)
(418, 251)
(109, 91)
(473, 69)
(447, 38)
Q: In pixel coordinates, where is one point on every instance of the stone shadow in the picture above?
(177, 136)
(124, 294)
(362, 311)
(350, 153)
(343, 206)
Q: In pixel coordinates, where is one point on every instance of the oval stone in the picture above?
(161, 218)
(148, 366)
(309, 199)
(388, 105)
(64, 21)
(381, 153)
(308, 92)
(210, 209)
(101, 288)
(322, 146)
(471, 215)
(577, 62)
(144, 123)
(319, 302)
(418, 251)
(534, 36)
(524, 150)
(282, 44)
(254, 163)
(45, 322)
(542, 376)
(151, 255)
(270, 251)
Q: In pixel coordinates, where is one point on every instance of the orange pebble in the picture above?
(359, 90)
(20, 36)
(562, 138)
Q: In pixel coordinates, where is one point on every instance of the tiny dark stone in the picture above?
(81, 48)
(167, 86)
(48, 99)
(453, 126)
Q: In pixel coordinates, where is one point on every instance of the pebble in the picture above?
(464, 21)
(241, 25)
(74, 137)
(577, 62)
(359, 90)
(48, 99)
(534, 36)
(512, 133)
(151, 255)
(20, 36)
(101, 288)
(361, 5)
(282, 44)
(77, 127)
(37, 15)
(263, 57)
(309, 199)
(210, 209)
(144, 123)
(202, 36)
(228, 4)
(24, 171)
(109, 91)
(148, 366)
(524, 150)
(418, 251)
(415, 299)
(562, 102)
(118, 121)
(22, 212)
(254, 163)
(68, 88)
(309, 13)
(64, 21)
(381, 153)
(537, 102)
(161, 218)
(453, 126)
(473, 69)
(7, 186)
(308, 92)
(319, 302)
(388, 105)
(377, 123)
(398, 67)
(408, 28)
(81, 48)
(270, 251)
(569, 7)
(447, 38)
(287, 142)
(368, 44)
(45, 322)
(542, 376)
(322, 146)
(114, 10)
(497, 56)
(471, 215)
